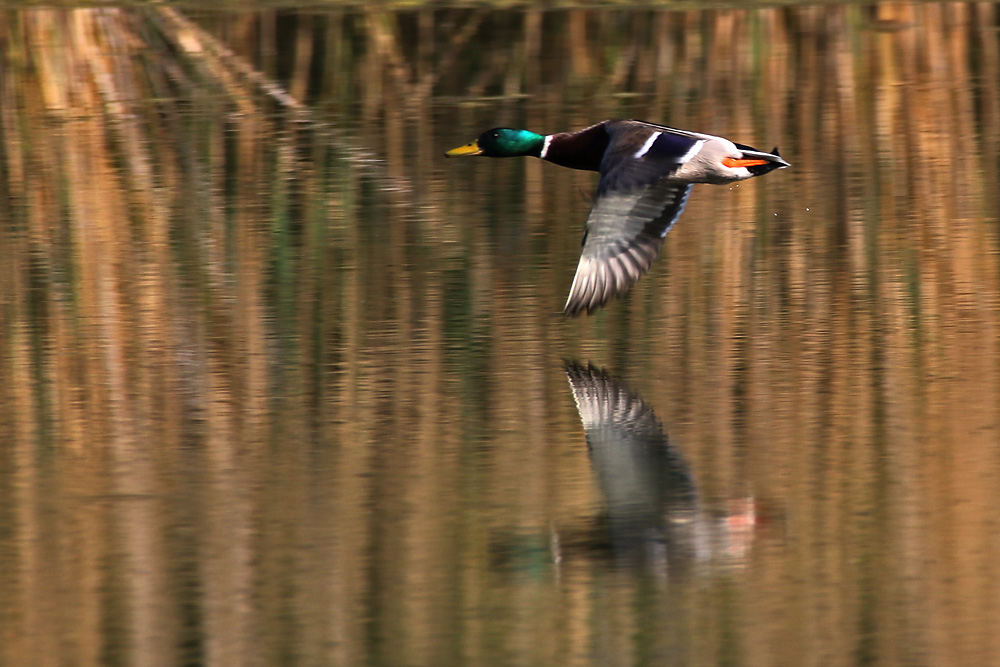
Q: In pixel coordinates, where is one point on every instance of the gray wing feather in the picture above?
(625, 231)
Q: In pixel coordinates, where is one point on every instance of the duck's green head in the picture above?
(502, 142)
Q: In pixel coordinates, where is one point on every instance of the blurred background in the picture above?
(282, 385)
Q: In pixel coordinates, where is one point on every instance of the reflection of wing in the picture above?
(646, 483)
(625, 231)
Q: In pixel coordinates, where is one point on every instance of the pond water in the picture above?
(283, 385)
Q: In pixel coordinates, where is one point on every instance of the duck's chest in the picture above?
(577, 150)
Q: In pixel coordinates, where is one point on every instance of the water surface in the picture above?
(282, 385)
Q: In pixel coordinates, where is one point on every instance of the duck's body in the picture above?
(646, 172)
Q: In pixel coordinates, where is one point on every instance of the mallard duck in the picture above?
(646, 172)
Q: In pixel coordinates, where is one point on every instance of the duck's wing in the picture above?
(636, 206)
(640, 154)
(624, 234)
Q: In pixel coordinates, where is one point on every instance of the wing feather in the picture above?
(637, 203)
(625, 232)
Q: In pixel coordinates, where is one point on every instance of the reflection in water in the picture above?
(653, 508)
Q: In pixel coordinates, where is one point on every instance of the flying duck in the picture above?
(646, 172)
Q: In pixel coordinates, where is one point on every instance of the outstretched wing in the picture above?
(624, 234)
(636, 206)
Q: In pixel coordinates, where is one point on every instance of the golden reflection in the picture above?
(278, 378)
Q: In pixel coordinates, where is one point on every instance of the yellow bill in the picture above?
(467, 149)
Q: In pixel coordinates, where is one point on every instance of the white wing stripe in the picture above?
(646, 146)
(693, 151)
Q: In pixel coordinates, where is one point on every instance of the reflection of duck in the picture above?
(646, 175)
(651, 497)
(653, 507)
